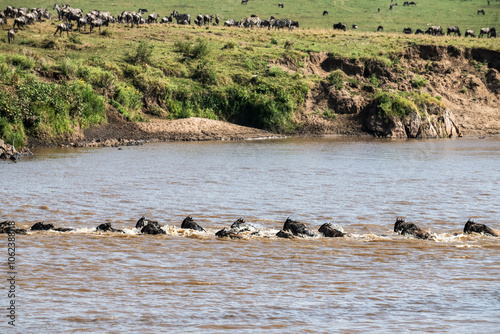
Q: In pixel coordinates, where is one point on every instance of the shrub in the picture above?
(198, 50)
(22, 62)
(205, 73)
(12, 133)
(143, 54)
(89, 105)
(97, 77)
(229, 45)
(50, 43)
(128, 96)
(329, 114)
(250, 64)
(427, 101)
(106, 33)
(121, 109)
(274, 41)
(418, 82)
(374, 80)
(289, 44)
(393, 105)
(9, 108)
(75, 39)
(336, 79)
(68, 67)
(275, 71)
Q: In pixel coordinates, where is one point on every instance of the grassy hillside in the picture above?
(51, 87)
(309, 13)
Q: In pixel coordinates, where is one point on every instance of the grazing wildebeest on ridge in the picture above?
(339, 26)
(470, 33)
(453, 30)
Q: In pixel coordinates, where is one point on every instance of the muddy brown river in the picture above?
(193, 282)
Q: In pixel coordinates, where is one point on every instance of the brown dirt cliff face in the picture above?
(467, 81)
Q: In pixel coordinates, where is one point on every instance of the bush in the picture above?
(393, 105)
(89, 106)
(427, 101)
(336, 79)
(75, 39)
(329, 114)
(97, 77)
(418, 82)
(22, 62)
(128, 96)
(205, 73)
(198, 50)
(374, 80)
(143, 54)
(12, 133)
(275, 71)
(229, 45)
(9, 108)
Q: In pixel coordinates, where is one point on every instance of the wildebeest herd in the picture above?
(74, 18)
(239, 229)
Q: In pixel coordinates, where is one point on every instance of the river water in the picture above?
(371, 281)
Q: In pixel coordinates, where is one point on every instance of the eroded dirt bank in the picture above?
(466, 81)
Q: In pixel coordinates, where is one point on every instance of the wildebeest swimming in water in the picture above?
(9, 227)
(328, 231)
(237, 230)
(296, 228)
(189, 223)
(472, 227)
(42, 226)
(106, 227)
(147, 226)
(405, 228)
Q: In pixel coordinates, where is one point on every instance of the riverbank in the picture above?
(125, 86)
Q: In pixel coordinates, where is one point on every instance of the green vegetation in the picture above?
(329, 114)
(336, 78)
(418, 82)
(399, 105)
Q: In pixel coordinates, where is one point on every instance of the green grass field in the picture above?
(309, 13)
